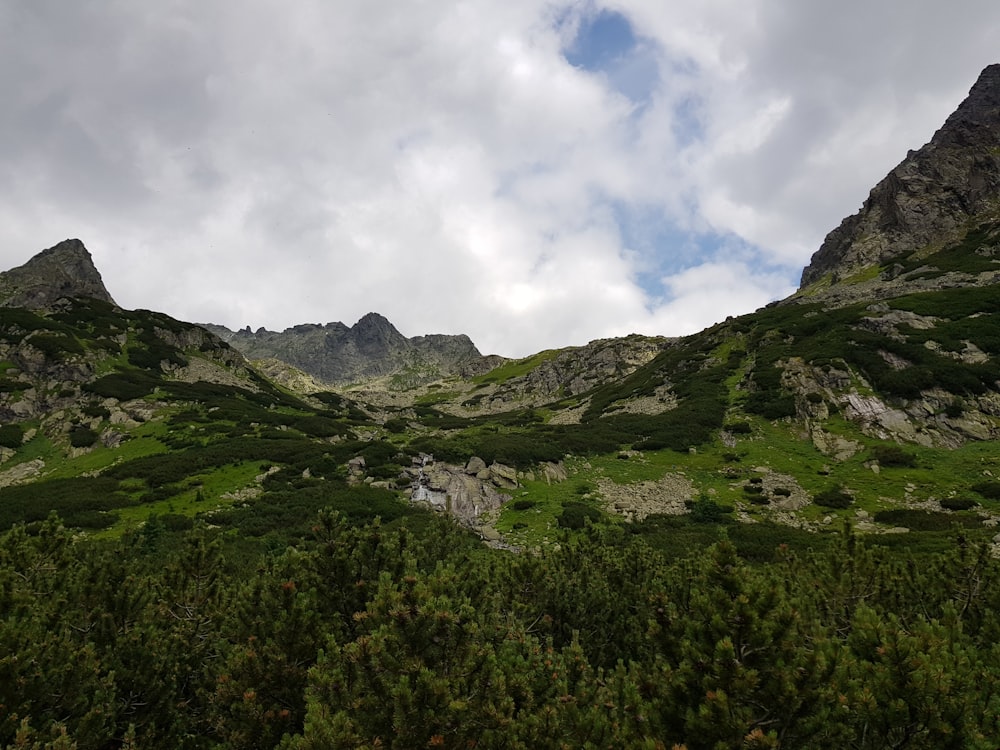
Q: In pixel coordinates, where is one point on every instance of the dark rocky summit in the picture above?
(64, 271)
(930, 199)
(372, 348)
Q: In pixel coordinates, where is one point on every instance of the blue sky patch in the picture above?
(601, 40)
(606, 44)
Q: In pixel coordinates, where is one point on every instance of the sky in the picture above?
(533, 174)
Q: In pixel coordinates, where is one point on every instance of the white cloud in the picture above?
(444, 165)
(715, 291)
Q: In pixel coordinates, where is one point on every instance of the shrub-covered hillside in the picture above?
(413, 635)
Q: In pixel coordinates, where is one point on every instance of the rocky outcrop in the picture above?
(569, 372)
(930, 198)
(669, 495)
(61, 272)
(930, 420)
(336, 354)
(290, 377)
(466, 492)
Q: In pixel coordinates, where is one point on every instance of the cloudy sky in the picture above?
(532, 173)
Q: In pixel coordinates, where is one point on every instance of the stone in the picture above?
(836, 447)
(635, 501)
(553, 473)
(63, 271)
(503, 476)
(930, 197)
(475, 465)
(112, 438)
(356, 468)
(336, 354)
(452, 489)
(22, 472)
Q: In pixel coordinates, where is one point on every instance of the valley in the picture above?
(780, 531)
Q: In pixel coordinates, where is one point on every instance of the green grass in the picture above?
(539, 524)
(38, 447)
(823, 282)
(516, 368)
(777, 447)
(100, 457)
(961, 256)
(211, 486)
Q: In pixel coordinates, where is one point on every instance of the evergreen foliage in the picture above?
(81, 436)
(11, 435)
(958, 503)
(317, 613)
(833, 497)
(893, 455)
(575, 515)
(414, 635)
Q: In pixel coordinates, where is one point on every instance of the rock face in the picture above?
(63, 271)
(570, 372)
(930, 198)
(372, 348)
(466, 493)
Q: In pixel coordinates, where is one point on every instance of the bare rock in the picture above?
(112, 438)
(21, 473)
(929, 197)
(554, 473)
(63, 271)
(475, 465)
(503, 476)
(636, 501)
(452, 489)
(836, 447)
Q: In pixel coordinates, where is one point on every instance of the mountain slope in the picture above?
(372, 348)
(878, 384)
(937, 205)
(62, 272)
(108, 416)
(873, 392)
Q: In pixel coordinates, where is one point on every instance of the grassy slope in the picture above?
(729, 374)
(203, 443)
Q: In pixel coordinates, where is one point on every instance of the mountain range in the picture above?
(372, 348)
(871, 393)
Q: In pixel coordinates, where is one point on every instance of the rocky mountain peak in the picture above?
(372, 348)
(373, 331)
(931, 198)
(374, 320)
(65, 270)
(982, 106)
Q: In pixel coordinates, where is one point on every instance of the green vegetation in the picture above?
(958, 503)
(82, 437)
(990, 489)
(893, 455)
(706, 510)
(927, 520)
(833, 497)
(577, 515)
(516, 368)
(11, 435)
(75, 499)
(967, 256)
(410, 634)
(291, 605)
